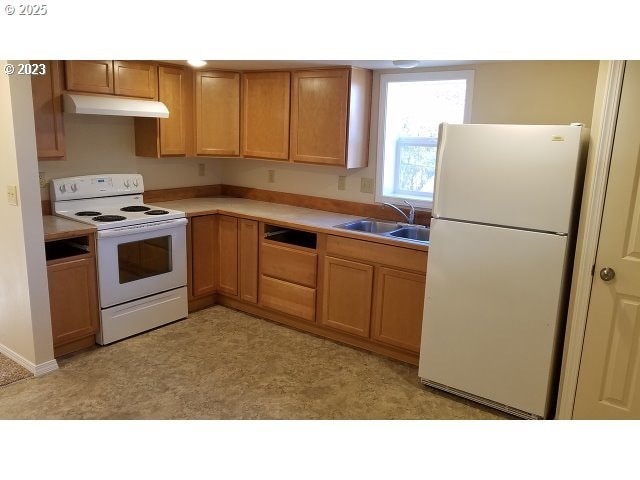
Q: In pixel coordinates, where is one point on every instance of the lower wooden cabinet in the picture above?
(228, 255)
(73, 295)
(347, 289)
(358, 292)
(248, 262)
(397, 311)
(203, 255)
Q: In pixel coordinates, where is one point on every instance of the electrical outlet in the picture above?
(366, 185)
(12, 195)
(43, 181)
(342, 182)
(201, 169)
(271, 176)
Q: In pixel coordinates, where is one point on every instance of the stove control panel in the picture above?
(92, 186)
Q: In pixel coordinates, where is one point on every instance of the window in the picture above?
(412, 106)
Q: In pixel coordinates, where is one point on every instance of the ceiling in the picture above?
(287, 64)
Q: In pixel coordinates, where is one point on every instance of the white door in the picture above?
(609, 377)
(512, 175)
(491, 308)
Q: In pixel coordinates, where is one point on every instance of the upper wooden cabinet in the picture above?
(217, 105)
(265, 115)
(47, 110)
(91, 76)
(330, 113)
(135, 79)
(171, 136)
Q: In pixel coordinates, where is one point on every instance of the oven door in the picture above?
(141, 260)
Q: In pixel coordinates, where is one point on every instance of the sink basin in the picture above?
(412, 233)
(388, 229)
(371, 226)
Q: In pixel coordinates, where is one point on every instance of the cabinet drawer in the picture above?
(288, 298)
(400, 257)
(289, 264)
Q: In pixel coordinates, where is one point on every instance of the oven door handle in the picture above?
(143, 228)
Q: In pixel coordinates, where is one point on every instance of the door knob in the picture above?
(607, 274)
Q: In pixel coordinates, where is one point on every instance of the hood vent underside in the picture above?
(115, 106)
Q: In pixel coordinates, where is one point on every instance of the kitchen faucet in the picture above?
(412, 212)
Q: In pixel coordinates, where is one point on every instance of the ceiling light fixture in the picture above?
(197, 63)
(405, 63)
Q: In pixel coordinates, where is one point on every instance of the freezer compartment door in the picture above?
(492, 303)
(512, 175)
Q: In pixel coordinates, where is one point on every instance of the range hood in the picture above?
(124, 107)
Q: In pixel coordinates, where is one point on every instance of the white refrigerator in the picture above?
(500, 254)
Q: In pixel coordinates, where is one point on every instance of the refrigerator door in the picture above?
(492, 303)
(512, 175)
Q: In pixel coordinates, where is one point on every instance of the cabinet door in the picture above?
(217, 113)
(228, 255)
(397, 315)
(171, 91)
(47, 110)
(135, 79)
(346, 297)
(265, 114)
(91, 76)
(204, 242)
(248, 270)
(73, 300)
(319, 111)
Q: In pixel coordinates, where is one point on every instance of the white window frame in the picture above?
(387, 78)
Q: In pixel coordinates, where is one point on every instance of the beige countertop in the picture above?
(286, 215)
(56, 228)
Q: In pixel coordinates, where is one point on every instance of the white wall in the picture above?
(25, 322)
(97, 144)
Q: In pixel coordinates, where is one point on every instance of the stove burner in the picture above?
(156, 212)
(135, 208)
(109, 218)
(88, 213)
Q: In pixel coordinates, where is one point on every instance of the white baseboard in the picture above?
(37, 370)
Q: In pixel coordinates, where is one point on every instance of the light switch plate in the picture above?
(366, 185)
(12, 195)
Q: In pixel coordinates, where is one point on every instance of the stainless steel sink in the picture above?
(371, 226)
(412, 233)
(416, 233)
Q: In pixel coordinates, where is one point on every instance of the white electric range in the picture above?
(142, 252)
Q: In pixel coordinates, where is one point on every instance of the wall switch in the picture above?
(271, 175)
(12, 194)
(43, 181)
(201, 169)
(366, 185)
(342, 182)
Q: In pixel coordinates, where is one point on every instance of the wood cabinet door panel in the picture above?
(135, 79)
(319, 115)
(397, 316)
(265, 114)
(288, 298)
(347, 289)
(289, 264)
(171, 93)
(91, 76)
(204, 247)
(248, 271)
(217, 113)
(47, 111)
(73, 300)
(228, 255)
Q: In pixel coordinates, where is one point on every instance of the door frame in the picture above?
(605, 113)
